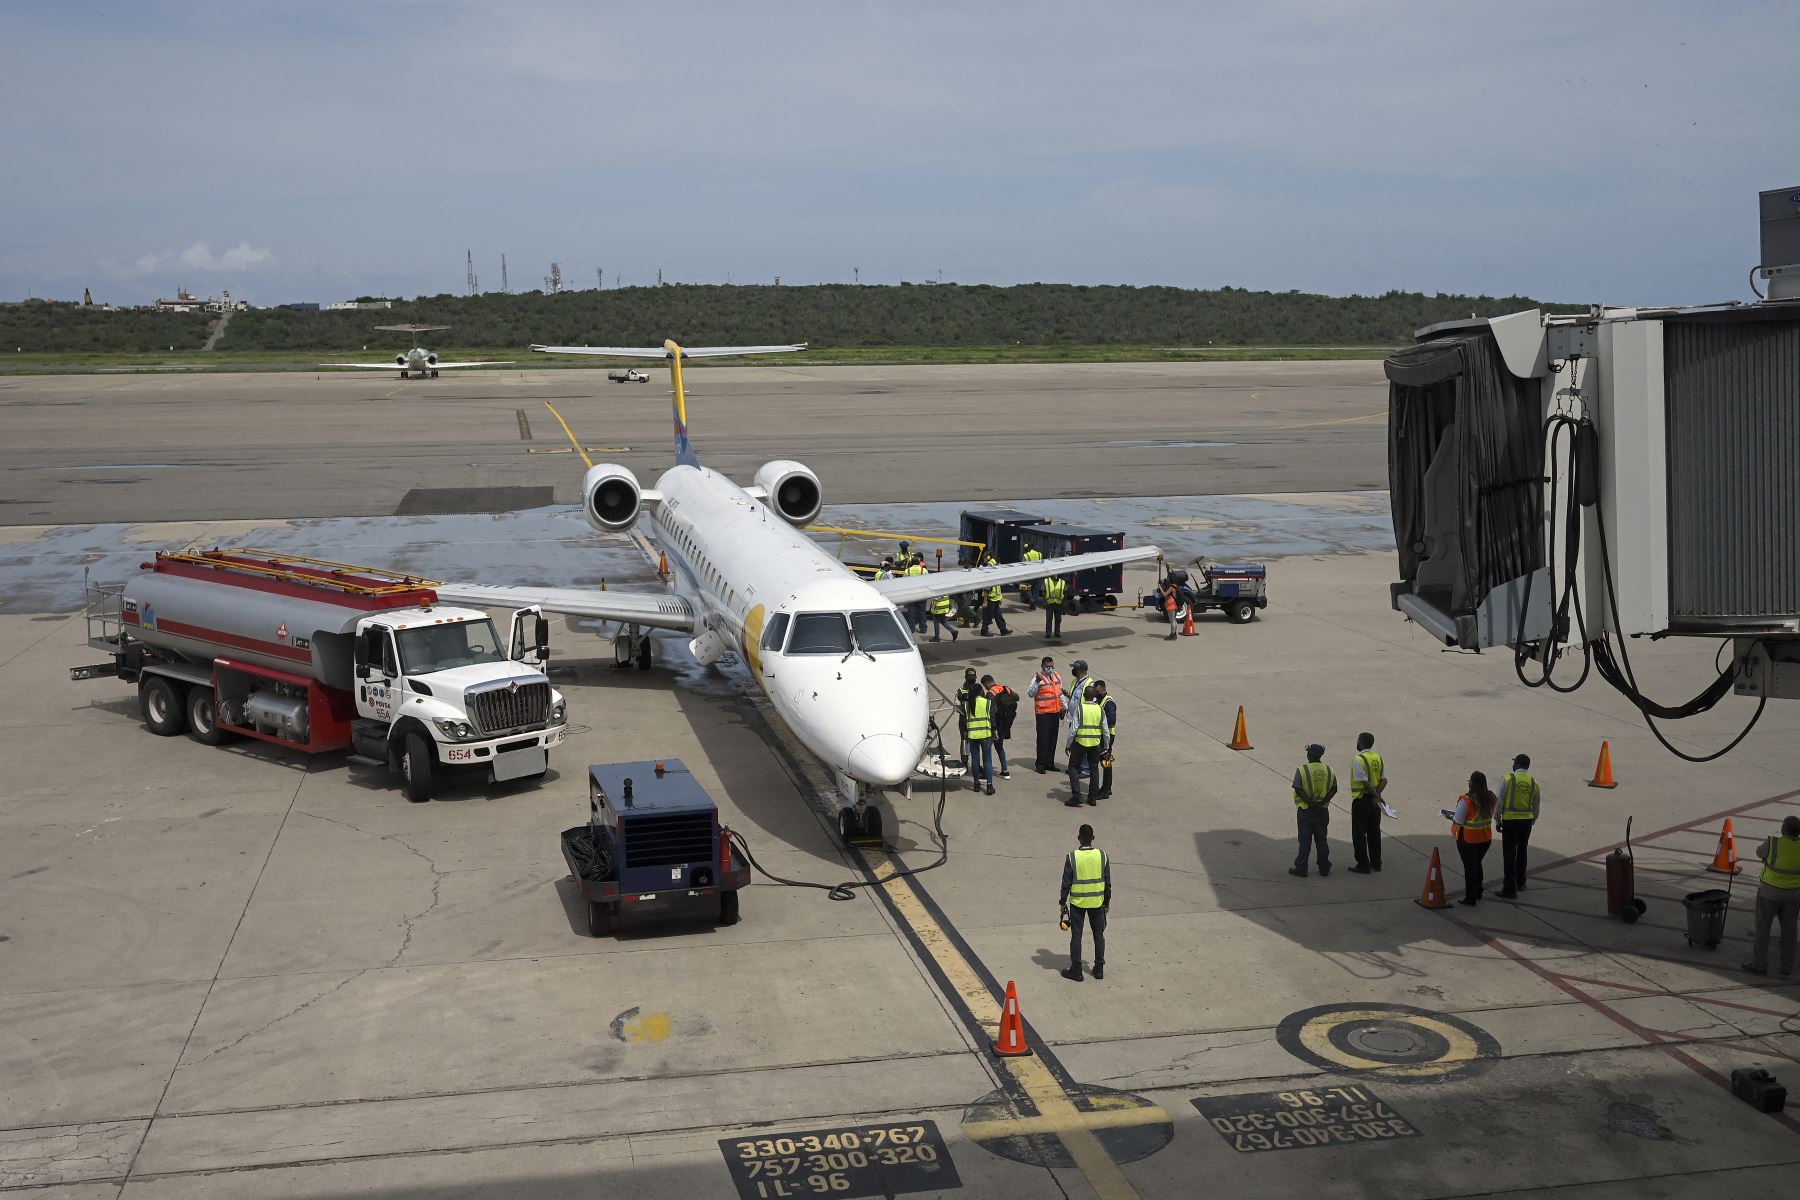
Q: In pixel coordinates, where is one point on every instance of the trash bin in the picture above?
(1706, 917)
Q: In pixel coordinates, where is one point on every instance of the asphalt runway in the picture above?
(232, 971)
(135, 447)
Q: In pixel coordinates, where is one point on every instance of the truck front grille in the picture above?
(666, 841)
(506, 710)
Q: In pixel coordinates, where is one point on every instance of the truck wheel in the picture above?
(202, 717)
(1240, 612)
(600, 919)
(728, 908)
(415, 767)
(160, 701)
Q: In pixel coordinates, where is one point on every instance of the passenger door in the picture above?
(377, 673)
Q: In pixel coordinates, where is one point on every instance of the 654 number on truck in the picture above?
(321, 656)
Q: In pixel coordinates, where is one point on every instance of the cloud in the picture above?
(199, 257)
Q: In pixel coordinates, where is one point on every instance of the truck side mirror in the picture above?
(362, 670)
(543, 634)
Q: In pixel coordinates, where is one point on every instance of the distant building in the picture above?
(182, 303)
(352, 304)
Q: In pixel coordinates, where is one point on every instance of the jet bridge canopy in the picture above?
(1465, 464)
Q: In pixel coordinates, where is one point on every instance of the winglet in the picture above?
(684, 451)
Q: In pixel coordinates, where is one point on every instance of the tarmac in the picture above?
(235, 972)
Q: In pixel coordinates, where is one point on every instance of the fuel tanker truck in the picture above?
(320, 656)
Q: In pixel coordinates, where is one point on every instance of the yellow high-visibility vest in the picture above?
(1373, 766)
(979, 723)
(1317, 779)
(1781, 863)
(1089, 888)
(1521, 802)
(1092, 724)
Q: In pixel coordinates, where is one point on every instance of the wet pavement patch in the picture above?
(1636, 1120)
(439, 501)
(1127, 1127)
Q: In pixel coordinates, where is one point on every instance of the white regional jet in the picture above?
(417, 363)
(828, 647)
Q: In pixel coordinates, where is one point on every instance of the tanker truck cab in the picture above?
(319, 656)
(434, 689)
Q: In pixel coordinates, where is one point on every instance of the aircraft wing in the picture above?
(905, 589)
(659, 352)
(505, 362)
(390, 365)
(653, 610)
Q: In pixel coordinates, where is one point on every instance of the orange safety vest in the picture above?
(1049, 692)
(1169, 600)
(1475, 829)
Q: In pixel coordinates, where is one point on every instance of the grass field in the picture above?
(76, 363)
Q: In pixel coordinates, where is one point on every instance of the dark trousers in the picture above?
(991, 612)
(1515, 836)
(1047, 725)
(1106, 773)
(1365, 831)
(1052, 620)
(1312, 823)
(1472, 853)
(1083, 760)
(915, 616)
(1097, 918)
(1772, 904)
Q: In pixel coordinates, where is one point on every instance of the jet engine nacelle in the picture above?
(792, 490)
(431, 358)
(399, 360)
(611, 497)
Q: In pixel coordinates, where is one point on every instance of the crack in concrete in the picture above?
(331, 991)
(407, 920)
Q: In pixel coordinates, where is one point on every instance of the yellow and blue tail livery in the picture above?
(684, 450)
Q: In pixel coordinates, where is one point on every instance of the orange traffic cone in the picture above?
(1603, 769)
(1433, 895)
(1240, 737)
(1012, 1042)
(1187, 626)
(1725, 860)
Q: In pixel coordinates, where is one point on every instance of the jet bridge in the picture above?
(1562, 483)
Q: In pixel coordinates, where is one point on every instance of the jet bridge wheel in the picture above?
(161, 702)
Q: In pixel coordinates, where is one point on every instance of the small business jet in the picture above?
(828, 648)
(417, 363)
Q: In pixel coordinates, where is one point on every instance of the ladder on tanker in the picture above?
(279, 566)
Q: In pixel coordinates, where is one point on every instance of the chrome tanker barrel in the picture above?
(207, 618)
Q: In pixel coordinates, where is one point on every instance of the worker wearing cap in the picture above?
(1520, 798)
(1368, 780)
(886, 569)
(1314, 786)
(1777, 897)
(1056, 592)
(1111, 712)
(1086, 895)
(991, 611)
(1089, 740)
(1045, 691)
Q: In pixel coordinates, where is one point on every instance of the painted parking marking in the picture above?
(1392, 1041)
(1262, 1122)
(1127, 1127)
(885, 1159)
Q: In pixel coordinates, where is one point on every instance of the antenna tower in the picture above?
(473, 286)
(505, 290)
(555, 277)
(599, 279)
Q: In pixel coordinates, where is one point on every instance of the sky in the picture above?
(289, 151)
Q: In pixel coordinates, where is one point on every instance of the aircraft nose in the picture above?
(883, 759)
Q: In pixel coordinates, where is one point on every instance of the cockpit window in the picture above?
(877, 631)
(820, 633)
(776, 633)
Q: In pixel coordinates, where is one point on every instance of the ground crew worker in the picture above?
(915, 612)
(1032, 555)
(1046, 695)
(1314, 786)
(1171, 600)
(886, 569)
(1777, 897)
(940, 619)
(1056, 590)
(970, 685)
(1472, 823)
(1520, 796)
(978, 729)
(992, 612)
(1006, 710)
(1079, 683)
(1098, 692)
(1088, 739)
(1086, 895)
(1368, 779)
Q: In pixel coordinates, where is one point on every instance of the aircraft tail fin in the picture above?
(684, 449)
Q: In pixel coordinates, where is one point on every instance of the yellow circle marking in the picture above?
(1314, 1035)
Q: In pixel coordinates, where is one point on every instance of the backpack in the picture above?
(1006, 707)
